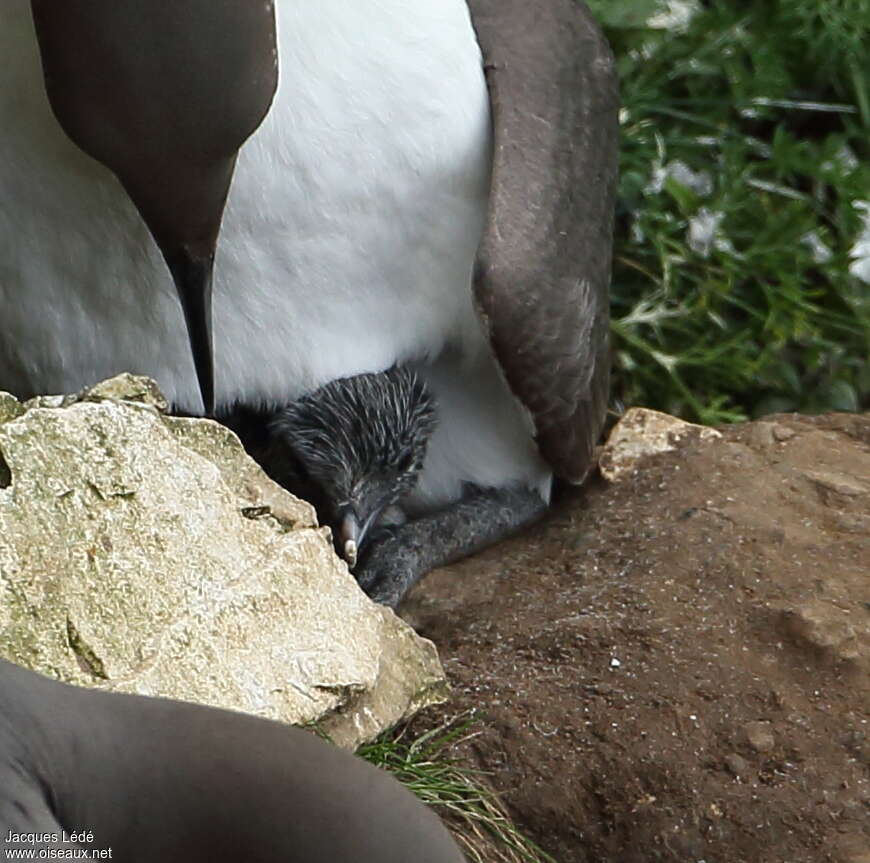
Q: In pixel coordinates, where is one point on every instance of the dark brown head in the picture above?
(164, 93)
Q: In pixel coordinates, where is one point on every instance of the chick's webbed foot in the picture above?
(397, 561)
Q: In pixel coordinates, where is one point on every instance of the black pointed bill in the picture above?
(193, 280)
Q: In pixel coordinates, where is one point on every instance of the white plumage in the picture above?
(347, 244)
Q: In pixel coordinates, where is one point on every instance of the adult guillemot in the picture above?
(144, 779)
(351, 231)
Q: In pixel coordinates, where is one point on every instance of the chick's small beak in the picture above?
(354, 523)
(350, 536)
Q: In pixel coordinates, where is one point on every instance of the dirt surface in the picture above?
(677, 666)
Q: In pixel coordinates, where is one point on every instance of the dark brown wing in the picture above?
(544, 265)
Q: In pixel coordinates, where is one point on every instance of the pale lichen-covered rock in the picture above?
(642, 432)
(129, 388)
(144, 553)
(10, 407)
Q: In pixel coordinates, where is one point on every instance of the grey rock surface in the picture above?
(149, 554)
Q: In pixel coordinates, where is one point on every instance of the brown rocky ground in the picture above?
(676, 667)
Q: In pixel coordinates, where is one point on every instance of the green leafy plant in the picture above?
(744, 206)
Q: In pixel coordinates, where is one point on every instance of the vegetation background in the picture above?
(741, 282)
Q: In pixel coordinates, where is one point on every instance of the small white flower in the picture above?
(699, 182)
(821, 253)
(860, 252)
(675, 15)
(701, 236)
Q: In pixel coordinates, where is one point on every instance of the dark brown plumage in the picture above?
(544, 265)
(160, 780)
(164, 94)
